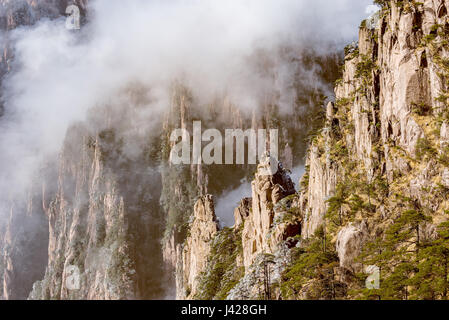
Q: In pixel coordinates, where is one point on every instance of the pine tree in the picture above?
(335, 207)
(431, 280)
(315, 261)
(397, 254)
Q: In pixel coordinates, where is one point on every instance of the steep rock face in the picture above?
(101, 224)
(267, 191)
(182, 184)
(230, 263)
(350, 240)
(197, 247)
(23, 248)
(242, 212)
(25, 234)
(383, 149)
(380, 159)
(387, 77)
(260, 280)
(87, 230)
(321, 181)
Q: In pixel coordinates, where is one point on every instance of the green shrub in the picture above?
(222, 273)
(424, 147)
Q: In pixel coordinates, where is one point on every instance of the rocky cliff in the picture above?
(265, 226)
(24, 232)
(197, 247)
(386, 130)
(374, 193)
(87, 230)
(102, 221)
(376, 183)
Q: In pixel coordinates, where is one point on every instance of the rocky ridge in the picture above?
(378, 165)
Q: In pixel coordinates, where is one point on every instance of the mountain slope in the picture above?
(376, 184)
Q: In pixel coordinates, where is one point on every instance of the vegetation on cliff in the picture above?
(398, 191)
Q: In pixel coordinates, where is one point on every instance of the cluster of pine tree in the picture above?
(412, 264)
(312, 274)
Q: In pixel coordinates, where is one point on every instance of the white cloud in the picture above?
(59, 75)
(371, 9)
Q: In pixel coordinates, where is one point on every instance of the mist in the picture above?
(58, 75)
(229, 201)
